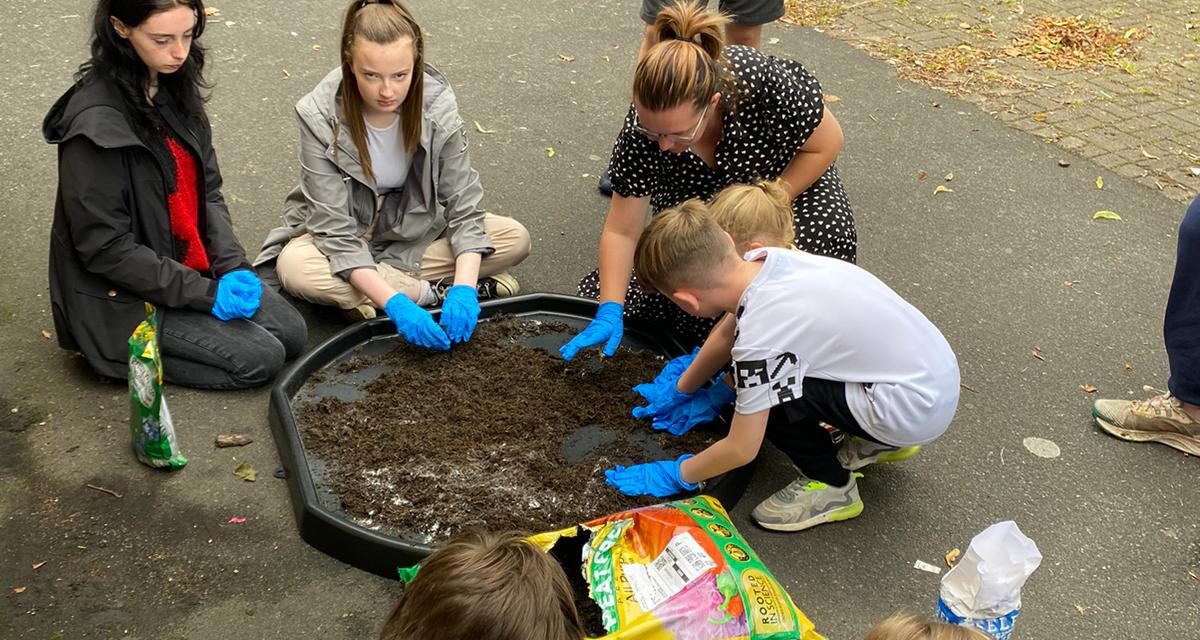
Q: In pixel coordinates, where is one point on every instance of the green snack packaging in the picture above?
(150, 425)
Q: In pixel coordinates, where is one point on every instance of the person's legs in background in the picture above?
(1172, 419)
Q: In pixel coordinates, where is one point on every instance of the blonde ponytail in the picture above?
(686, 64)
(761, 212)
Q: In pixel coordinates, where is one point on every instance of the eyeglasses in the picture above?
(670, 137)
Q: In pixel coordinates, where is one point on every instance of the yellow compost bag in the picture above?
(681, 571)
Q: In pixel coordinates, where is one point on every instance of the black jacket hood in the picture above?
(91, 108)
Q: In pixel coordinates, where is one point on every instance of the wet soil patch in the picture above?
(494, 434)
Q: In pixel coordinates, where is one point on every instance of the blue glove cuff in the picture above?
(610, 308)
(679, 473)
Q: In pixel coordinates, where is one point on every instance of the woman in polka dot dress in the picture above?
(705, 117)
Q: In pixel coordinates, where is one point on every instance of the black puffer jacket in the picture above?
(111, 246)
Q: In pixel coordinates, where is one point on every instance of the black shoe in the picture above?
(605, 185)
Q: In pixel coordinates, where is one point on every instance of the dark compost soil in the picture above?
(493, 434)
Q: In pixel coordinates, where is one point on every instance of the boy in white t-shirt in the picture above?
(815, 340)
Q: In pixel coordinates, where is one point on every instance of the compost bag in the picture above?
(150, 425)
(675, 571)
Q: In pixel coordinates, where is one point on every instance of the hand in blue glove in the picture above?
(238, 295)
(659, 479)
(697, 408)
(661, 398)
(607, 327)
(460, 312)
(415, 323)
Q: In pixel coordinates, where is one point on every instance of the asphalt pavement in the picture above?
(1036, 298)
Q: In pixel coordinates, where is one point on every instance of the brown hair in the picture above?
(486, 586)
(761, 211)
(381, 22)
(680, 247)
(686, 63)
(907, 626)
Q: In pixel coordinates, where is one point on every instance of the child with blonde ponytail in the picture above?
(755, 215)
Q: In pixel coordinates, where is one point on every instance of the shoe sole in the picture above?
(891, 456)
(837, 515)
(1186, 444)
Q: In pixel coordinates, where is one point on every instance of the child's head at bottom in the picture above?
(755, 215)
(486, 586)
(907, 626)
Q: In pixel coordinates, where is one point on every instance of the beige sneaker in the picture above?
(360, 313)
(1159, 419)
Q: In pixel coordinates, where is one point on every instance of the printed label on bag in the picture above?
(680, 563)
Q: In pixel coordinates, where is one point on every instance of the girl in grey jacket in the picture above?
(388, 204)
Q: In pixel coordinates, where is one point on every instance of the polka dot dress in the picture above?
(778, 105)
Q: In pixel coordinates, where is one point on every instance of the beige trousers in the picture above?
(304, 271)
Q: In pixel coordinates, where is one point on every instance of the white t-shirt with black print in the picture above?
(811, 316)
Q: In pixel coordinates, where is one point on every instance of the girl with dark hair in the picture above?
(706, 116)
(139, 216)
(387, 213)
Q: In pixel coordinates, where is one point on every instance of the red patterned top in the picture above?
(184, 205)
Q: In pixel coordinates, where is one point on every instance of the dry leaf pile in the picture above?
(1074, 42)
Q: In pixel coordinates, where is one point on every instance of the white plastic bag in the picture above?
(987, 581)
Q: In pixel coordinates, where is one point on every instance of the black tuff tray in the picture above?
(318, 511)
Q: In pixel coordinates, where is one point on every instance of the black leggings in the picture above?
(795, 428)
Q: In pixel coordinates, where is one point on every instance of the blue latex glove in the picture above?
(415, 323)
(697, 408)
(238, 295)
(608, 326)
(249, 287)
(659, 479)
(460, 312)
(662, 393)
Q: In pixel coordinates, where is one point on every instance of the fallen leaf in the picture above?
(1038, 354)
(1105, 215)
(948, 177)
(246, 472)
(1080, 609)
(236, 520)
(1195, 171)
(233, 440)
(606, 58)
(19, 589)
(1099, 182)
(1129, 366)
(941, 188)
(316, 47)
(1071, 283)
(1087, 388)
(211, 11)
(480, 129)
(46, 334)
(1064, 163)
(773, 41)
(832, 98)
(1148, 155)
(549, 152)
(286, 75)
(921, 175)
(952, 556)
(566, 58)
(39, 565)
(1039, 117)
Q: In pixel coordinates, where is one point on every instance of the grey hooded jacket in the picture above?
(336, 203)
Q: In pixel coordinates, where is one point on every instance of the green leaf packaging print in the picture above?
(150, 426)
